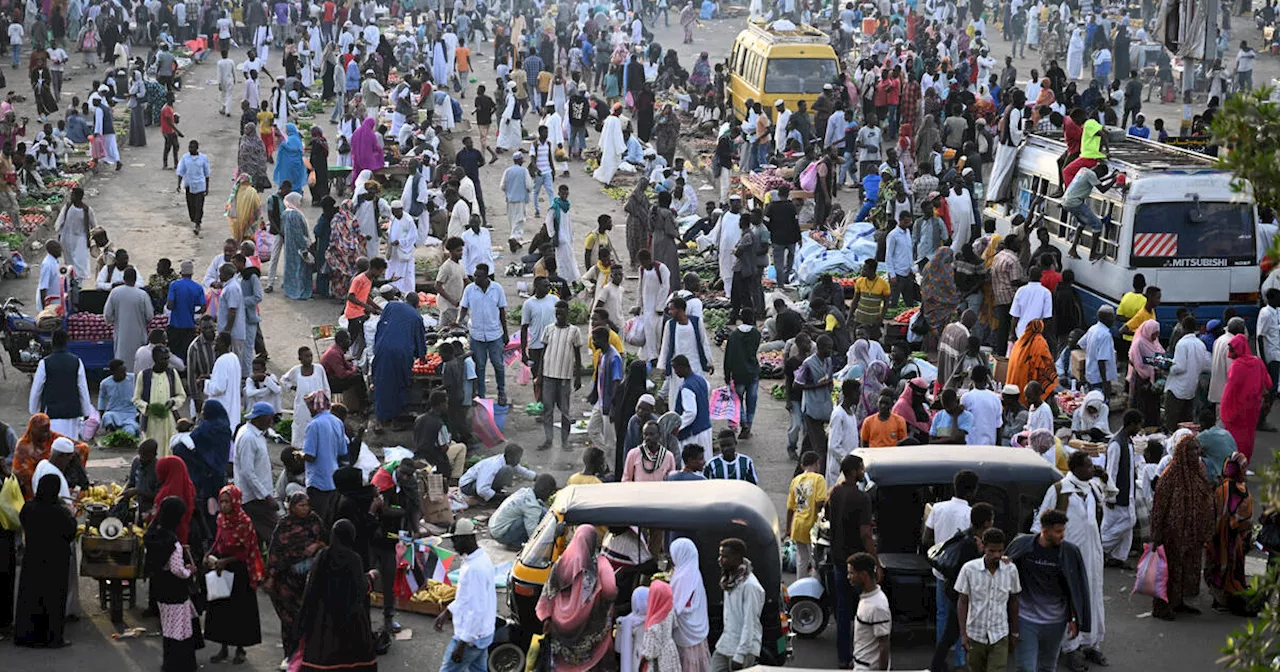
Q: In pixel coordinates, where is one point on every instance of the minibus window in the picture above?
(539, 551)
(1194, 229)
(798, 75)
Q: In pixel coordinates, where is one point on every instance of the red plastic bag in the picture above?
(482, 423)
(1153, 574)
(725, 404)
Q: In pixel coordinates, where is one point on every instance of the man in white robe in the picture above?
(780, 128)
(129, 310)
(226, 83)
(960, 205)
(369, 210)
(724, 237)
(612, 146)
(555, 130)
(224, 383)
(655, 285)
(1082, 497)
(73, 226)
(459, 214)
(49, 394)
(401, 239)
(280, 104)
(1120, 514)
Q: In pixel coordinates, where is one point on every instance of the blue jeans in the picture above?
(893, 121)
(793, 429)
(490, 351)
(846, 607)
(474, 658)
(17, 52)
(944, 613)
(541, 183)
(1038, 647)
(849, 166)
(1086, 217)
(749, 392)
(762, 153)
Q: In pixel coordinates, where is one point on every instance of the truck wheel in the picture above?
(506, 657)
(808, 618)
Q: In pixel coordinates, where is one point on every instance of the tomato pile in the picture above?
(427, 365)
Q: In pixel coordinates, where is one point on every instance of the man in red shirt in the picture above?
(343, 376)
(326, 20)
(169, 129)
(1072, 130)
(359, 299)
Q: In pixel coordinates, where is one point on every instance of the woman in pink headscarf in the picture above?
(366, 151)
(1143, 394)
(1247, 385)
(577, 604)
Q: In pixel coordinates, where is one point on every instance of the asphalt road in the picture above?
(146, 216)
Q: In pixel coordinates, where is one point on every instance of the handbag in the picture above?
(11, 501)
(218, 584)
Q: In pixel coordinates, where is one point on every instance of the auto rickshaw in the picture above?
(705, 511)
(902, 481)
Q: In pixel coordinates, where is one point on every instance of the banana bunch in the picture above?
(106, 495)
(435, 592)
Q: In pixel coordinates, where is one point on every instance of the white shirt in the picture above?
(34, 400)
(15, 34)
(109, 277)
(843, 441)
(252, 472)
(475, 609)
(1268, 331)
(989, 594)
(1032, 301)
(477, 249)
(947, 518)
(483, 472)
(1040, 418)
(267, 391)
(742, 632)
(988, 416)
(1190, 359)
(50, 280)
(874, 621)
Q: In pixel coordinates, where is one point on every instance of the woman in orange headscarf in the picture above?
(35, 445)
(1044, 99)
(1030, 359)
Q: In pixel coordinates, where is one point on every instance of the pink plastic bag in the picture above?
(1153, 574)
(262, 241)
(725, 405)
(482, 423)
(525, 376)
(90, 427)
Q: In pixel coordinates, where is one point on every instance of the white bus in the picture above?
(1176, 220)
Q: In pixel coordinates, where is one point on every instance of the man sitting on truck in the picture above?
(1076, 202)
(1093, 150)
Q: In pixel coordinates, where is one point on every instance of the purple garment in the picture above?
(282, 13)
(365, 152)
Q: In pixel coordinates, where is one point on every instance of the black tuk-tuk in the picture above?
(901, 481)
(705, 511)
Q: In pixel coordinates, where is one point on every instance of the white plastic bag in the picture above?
(218, 585)
(367, 462)
(633, 332)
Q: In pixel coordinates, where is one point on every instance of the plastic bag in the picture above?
(725, 404)
(633, 331)
(525, 376)
(482, 423)
(367, 462)
(11, 501)
(1153, 574)
(262, 242)
(90, 427)
(219, 584)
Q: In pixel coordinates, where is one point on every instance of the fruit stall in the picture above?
(92, 339)
(111, 550)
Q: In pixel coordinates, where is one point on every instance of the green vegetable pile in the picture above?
(285, 428)
(157, 410)
(779, 392)
(119, 439)
(579, 313)
(513, 314)
(714, 318)
(13, 239)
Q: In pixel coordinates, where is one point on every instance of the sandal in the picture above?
(219, 657)
(239, 659)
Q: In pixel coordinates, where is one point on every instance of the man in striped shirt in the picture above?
(729, 465)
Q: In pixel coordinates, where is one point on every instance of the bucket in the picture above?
(500, 416)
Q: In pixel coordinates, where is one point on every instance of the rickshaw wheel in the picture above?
(808, 618)
(506, 657)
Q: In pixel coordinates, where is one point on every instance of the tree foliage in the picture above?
(1248, 128)
(1256, 646)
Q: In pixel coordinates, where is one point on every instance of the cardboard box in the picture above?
(1077, 364)
(1001, 370)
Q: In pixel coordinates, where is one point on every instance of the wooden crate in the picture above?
(424, 608)
(102, 558)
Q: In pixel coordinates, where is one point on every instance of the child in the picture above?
(344, 152)
(266, 121)
(805, 496)
(61, 143)
(142, 482)
(293, 478)
(1161, 134)
(262, 386)
(1039, 414)
(248, 115)
(181, 437)
(1147, 473)
(631, 631)
(598, 239)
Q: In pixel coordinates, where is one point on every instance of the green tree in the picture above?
(1248, 128)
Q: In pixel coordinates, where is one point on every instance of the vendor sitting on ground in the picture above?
(487, 478)
(516, 519)
(432, 442)
(115, 400)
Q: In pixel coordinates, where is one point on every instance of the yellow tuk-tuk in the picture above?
(706, 512)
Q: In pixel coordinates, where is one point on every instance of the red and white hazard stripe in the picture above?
(1155, 244)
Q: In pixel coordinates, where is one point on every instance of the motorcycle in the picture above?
(20, 338)
(810, 600)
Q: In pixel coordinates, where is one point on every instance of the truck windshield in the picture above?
(798, 75)
(1194, 234)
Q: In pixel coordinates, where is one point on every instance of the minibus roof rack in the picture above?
(1134, 153)
(801, 34)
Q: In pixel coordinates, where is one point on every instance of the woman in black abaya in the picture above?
(42, 589)
(334, 619)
